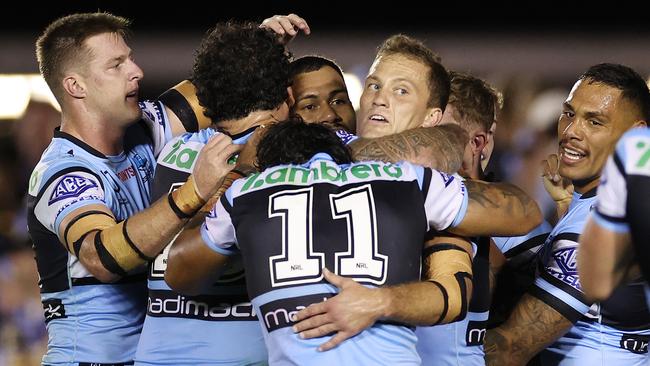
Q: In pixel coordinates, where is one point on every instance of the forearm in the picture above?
(418, 303)
(604, 259)
(425, 303)
(497, 209)
(440, 147)
(155, 227)
(115, 250)
(532, 326)
(444, 294)
(192, 267)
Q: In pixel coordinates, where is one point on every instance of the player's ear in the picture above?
(479, 141)
(433, 117)
(74, 86)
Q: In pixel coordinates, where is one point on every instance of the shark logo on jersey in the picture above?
(152, 112)
(636, 157)
(71, 185)
(345, 136)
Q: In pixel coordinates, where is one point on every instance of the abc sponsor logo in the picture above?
(71, 185)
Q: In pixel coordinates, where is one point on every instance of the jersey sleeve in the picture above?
(513, 246)
(558, 282)
(63, 190)
(157, 121)
(445, 199)
(218, 231)
(612, 197)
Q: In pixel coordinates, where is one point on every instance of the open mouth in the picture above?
(377, 118)
(570, 155)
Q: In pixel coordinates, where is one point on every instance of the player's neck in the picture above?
(103, 137)
(586, 185)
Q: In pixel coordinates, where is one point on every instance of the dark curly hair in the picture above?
(240, 68)
(295, 142)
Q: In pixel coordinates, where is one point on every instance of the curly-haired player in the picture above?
(241, 77)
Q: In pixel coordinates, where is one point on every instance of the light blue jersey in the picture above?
(458, 343)
(215, 328)
(289, 222)
(461, 343)
(89, 321)
(627, 166)
(607, 333)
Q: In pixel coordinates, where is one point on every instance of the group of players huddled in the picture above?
(250, 216)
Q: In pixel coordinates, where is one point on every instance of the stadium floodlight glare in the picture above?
(16, 90)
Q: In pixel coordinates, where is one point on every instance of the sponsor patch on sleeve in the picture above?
(637, 151)
(72, 189)
(72, 185)
(563, 263)
(152, 111)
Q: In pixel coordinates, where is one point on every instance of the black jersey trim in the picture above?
(567, 236)
(480, 301)
(63, 135)
(85, 281)
(612, 218)
(619, 165)
(226, 205)
(564, 287)
(590, 193)
(567, 311)
(426, 182)
(526, 245)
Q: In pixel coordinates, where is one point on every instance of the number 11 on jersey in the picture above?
(300, 264)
